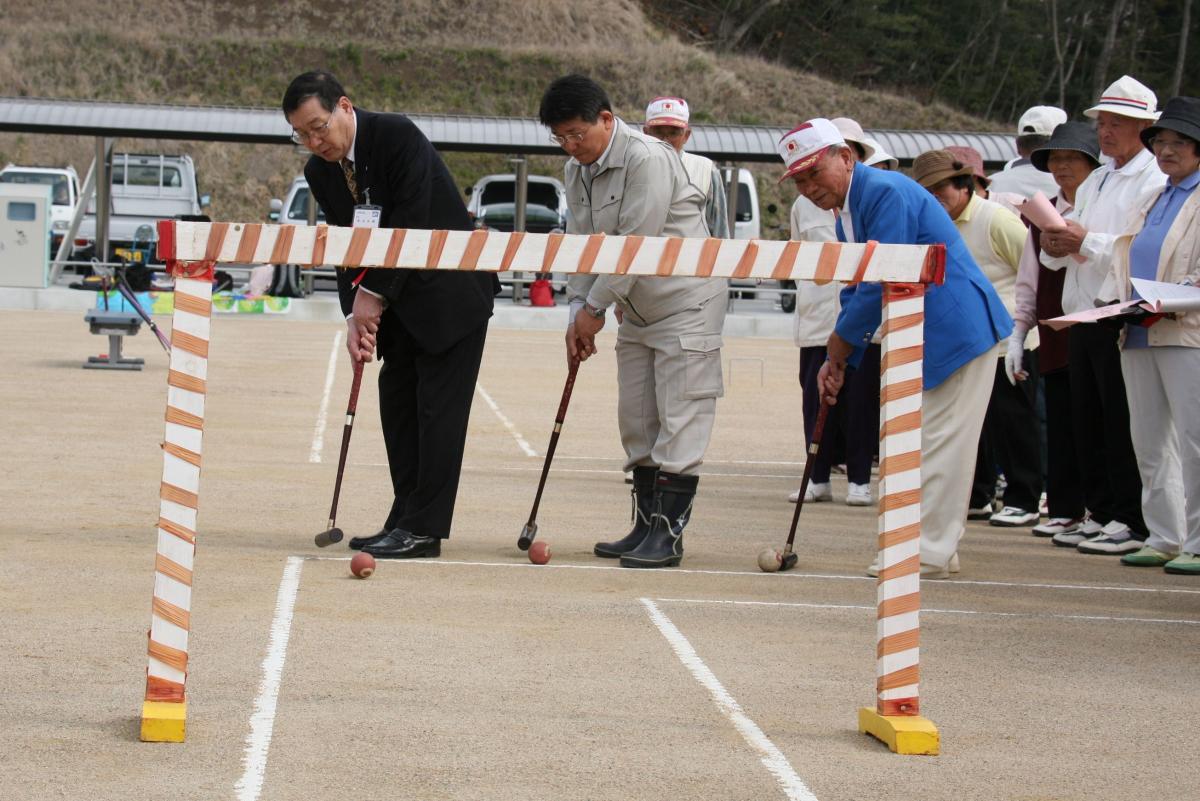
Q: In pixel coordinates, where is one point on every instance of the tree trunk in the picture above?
(1181, 56)
(1100, 78)
(729, 36)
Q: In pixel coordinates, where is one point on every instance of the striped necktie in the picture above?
(348, 171)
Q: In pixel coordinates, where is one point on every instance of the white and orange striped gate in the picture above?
(191, 251)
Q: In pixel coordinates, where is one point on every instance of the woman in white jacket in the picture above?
(1160, 358)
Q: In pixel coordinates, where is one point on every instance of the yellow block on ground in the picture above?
(902, 733)
(164, 722)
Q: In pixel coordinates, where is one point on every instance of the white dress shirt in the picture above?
(1103, 205)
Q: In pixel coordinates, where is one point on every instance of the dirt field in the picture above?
(1050, 675)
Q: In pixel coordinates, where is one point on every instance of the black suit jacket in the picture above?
(408, 179)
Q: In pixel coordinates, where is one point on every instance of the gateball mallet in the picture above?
(530, 529)
(788, 559)
(334, 534)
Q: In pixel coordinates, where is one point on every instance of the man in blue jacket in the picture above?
(964, 321)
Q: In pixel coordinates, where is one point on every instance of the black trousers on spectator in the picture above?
(1010, 439)
(1064, 489)
(1112, 486)
(853, 420)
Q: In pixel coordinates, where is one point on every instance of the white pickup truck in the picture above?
(64, 193)
(145, 189)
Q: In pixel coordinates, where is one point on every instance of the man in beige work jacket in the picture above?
(620, 182)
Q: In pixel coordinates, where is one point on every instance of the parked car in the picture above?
(492, 203)
(64, 190)
(748, 225)
(296, 204)
(492, 199)
(292, 210)
(145, 189)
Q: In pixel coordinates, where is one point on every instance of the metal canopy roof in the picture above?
(742, 143)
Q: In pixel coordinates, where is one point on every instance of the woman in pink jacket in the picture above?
(1070, 156)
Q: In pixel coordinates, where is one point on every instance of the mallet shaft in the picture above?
(530, 530)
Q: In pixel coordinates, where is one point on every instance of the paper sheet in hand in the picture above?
(1091, 315)
(1162, 298)
(1041, 212)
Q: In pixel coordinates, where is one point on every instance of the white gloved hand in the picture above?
(1013, 357)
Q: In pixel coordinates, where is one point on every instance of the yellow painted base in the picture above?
(903, 734)
(164, 722)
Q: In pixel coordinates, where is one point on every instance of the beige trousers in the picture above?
(951, 418)
(669, 379)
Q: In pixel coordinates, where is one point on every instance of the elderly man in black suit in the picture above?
(427, 327)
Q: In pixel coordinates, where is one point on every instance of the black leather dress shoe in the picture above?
(400, 544)
(358, 543)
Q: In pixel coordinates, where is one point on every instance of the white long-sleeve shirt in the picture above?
(1103, 204)
(816, 306)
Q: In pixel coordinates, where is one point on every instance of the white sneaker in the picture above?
(815, 494)
(1086, 530)
(1057, 525)
(1012, 516)
(1114, 538)
(859, 495)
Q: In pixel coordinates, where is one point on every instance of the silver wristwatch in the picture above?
(593, 311)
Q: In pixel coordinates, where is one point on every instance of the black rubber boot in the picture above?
(643, 507)
(663, 546)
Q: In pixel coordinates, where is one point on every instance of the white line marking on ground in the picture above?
(789, 575)
(318, 440)
(936, 611)
(512, 429)
(772, 758)
(262, 721)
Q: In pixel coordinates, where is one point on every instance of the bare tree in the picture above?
(1100, 77)
(1181, 56)
(731, 32)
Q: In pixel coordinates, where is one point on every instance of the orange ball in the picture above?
(539, 553)
(362, 565)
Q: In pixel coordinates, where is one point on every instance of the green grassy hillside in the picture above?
(492, 58)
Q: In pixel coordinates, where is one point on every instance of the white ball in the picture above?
(769, 560)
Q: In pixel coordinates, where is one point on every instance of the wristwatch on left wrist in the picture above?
(593, 311)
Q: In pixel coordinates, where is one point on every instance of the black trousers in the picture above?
(424, 407)
(1064, 489)
(1010, 439)
(1112, 486)
(852, 425)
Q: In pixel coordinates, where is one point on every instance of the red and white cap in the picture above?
(1128, 97)
(801, 147)
(667, 111)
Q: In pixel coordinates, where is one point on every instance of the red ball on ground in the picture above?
(539, 553)
(362, 565)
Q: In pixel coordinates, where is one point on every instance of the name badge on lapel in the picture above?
(366, 216)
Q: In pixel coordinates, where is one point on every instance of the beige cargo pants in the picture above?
(669, 378)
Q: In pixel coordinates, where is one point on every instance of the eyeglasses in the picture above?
(1158, 143)
(561, 141)
(304, 137)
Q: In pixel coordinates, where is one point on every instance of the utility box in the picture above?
(24, 234)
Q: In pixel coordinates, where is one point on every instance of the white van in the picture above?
(64, 194)
(491, 203)
(748, 224)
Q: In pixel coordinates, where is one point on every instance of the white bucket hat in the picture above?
(1040, 120)
(879, 155)
(1128, 97)
(671, 111)
(801, 147)
(851, 131)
